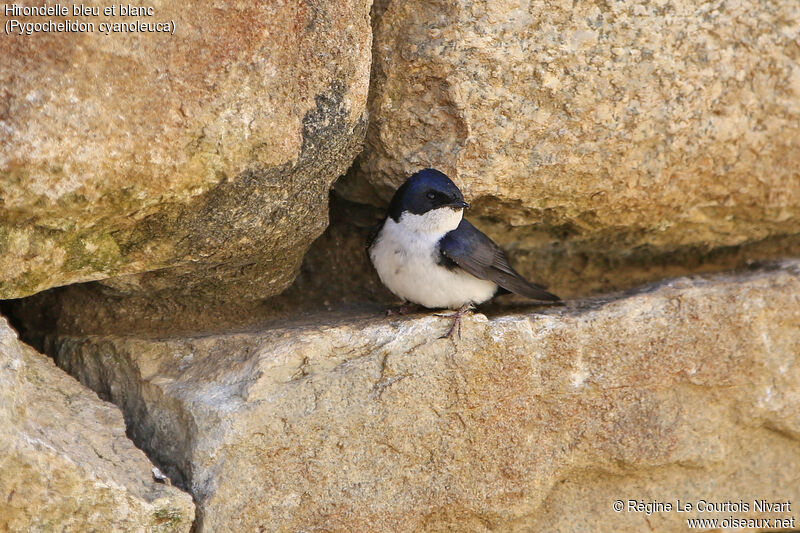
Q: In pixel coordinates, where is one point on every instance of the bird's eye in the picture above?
(431, 195)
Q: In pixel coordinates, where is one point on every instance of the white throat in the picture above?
(436, 221)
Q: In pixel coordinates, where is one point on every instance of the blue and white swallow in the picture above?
(426, 253)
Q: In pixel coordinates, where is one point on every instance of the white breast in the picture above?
(405, 255)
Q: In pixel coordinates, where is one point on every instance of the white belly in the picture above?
(406, 264)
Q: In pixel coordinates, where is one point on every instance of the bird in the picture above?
(427, 253)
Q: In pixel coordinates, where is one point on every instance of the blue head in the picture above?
(424, 191)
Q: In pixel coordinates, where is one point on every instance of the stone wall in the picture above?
(159, 195)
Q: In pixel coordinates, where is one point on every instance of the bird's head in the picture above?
(432, 196)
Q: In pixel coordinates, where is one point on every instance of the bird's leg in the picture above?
(456, 321)
(404, 309)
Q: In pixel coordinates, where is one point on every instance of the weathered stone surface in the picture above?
(595, 133)
(66, 464)
(529, 422)
(199, 161)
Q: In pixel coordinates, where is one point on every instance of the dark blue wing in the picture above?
(476, 253)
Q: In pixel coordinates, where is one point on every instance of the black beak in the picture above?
(458, 205)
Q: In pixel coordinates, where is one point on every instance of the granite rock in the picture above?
(595, 134)
(534, 421)
(196, 163)
(66, 463)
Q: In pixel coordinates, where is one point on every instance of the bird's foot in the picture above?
(402, 310)
(456, 325)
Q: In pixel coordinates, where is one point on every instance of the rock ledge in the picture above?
(529, 422)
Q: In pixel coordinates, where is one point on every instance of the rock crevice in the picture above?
(66, 463)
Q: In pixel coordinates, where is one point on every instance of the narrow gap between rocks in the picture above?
(336, 284)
